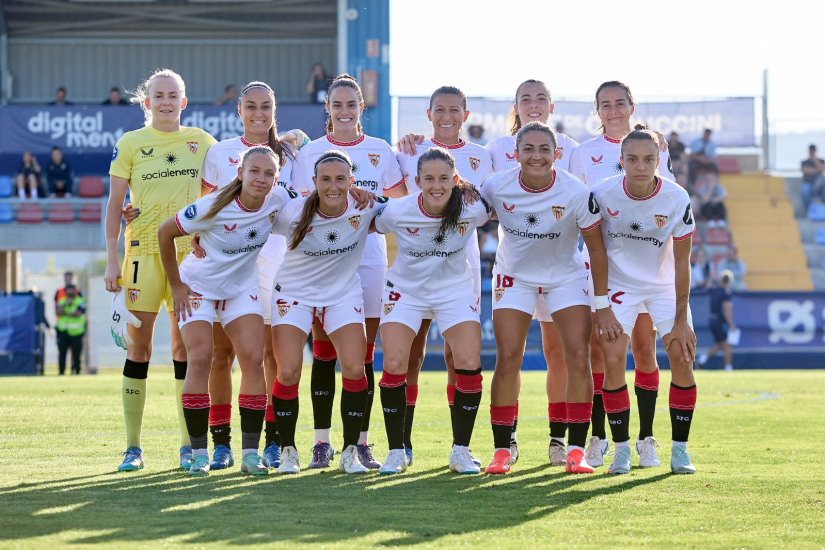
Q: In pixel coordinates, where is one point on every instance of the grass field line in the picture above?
(763, 396)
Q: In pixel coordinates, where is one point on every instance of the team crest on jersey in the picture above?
(193, 146)
(375, 160)
(660, 220)
(499, 294)
(559, 153)
(354, 221)
(462, 227)
(558, 212)
(195, 302)
(388, 308)
(475, 163)
(283, 307)
(411, 231)
(133, 294)
(272, 217)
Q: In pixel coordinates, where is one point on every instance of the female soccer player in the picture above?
(594, 160)
(161, 165)
(432, 278)
(374, 169)
(647, 229)
(224, 285)
(317, 284)
(538, 259)
(447, 113)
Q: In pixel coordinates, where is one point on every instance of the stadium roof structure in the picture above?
(164, 19)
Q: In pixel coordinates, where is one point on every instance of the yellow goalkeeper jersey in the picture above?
(164, 173)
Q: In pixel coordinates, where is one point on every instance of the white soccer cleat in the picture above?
(513, 452)
(621, 461)
(289, 461)
(557, 453)
(680, 461)
(350, 462)
(461, 461)
(596, 449)
(396, 463)
(646, 448)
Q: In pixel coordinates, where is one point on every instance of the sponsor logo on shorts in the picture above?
(475, 163)
(613, 214)
(133, 294)
(357, 309)
(597, 160)
(283, 307)
(462, 227)
(474, 308)
(615, 297)
(388, 308)
(558, 212)
(193, 146)
(254, 298)
(660, 220)
(191, 212)
(354, 221)
(229, 228)
(586, 292)
(195, 302)
(375, 160)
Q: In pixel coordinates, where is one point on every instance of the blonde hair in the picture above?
(141, 93)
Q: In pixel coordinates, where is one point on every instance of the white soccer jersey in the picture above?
(374, 168)
(427, 267)
(221, 166)
(639, 232)
(598, 158)
(540, 228)
(503, 152)
(323, 267)
(232, 240)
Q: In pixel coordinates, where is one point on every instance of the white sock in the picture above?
(21, 193)
(461, 447)
(575, 448)
(682, 444)
(622, 444)
(559, 440)
(322, 436)
(200, 452)
(513, 436)
(363, 438)
(498, 449)
(245, 452)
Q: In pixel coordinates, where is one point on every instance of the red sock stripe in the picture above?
(579, 413)
(598, 382)
(256, 402)
(324, 351)
(270, 414)
(471, 384)
(516, 417)
(450, 394)
(557, 412)
(616, 402)
(195, 400)
(370, 357)
(502, 416)
(392, 380)
(647, 380)
(354, 386)
(220, 414)
(412, 395)
(287, 393)
(683, 399)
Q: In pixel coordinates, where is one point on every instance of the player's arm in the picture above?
(682, 332)
(606, 323)
(727, 311)
(117, 194)
(167, 233)
(398, 191)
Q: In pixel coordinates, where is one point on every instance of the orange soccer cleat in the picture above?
(576, 464)
(500, 463)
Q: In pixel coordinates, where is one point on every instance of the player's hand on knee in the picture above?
(683, 336)
(606, 324)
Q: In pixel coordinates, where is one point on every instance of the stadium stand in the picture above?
(6, 214)
(91, 187)
(30, 212)
(6, 187)
(91, 212)
(816, 212)
(61, 212)
(729, 165)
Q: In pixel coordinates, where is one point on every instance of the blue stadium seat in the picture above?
(819, 237)
(6, 187)
(816, 212)
(5, 213)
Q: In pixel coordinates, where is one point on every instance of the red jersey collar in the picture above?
(346, 143)
(610, 139)
(242, 207)
(421, 207)
(458, 145)
(650, 196)
(537, 190)
(248, 144)
(346, 207)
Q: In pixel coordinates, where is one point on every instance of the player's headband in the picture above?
(253, 86)
(332, 157)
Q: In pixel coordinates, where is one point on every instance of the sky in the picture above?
(663, 50)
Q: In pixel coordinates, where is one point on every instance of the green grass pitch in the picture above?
(756, 442)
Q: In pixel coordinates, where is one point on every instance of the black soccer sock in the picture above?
(270, 428)
(253, 411)
(597, 414)
(557, 415)
(409, 417)
(682, 404)
(501, 418)
(451, 403)
(369, 371)
(285, 406)
(196, 414)
(394, 405)
(578, 420)
(180, 369)
(467, 400)
(617, 406)
(322, 383)
(353, 403)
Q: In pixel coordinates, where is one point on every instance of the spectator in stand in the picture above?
(68, 280)
(28, 175)
(71, 326)
(488, 244)
(476, 132)
(713, 196)
(701, 272)
(736, 266)
(318, 84)
(115, 98)
(229, 97)
(721, 320)
(59, 175)
(679, 159)
(702, 156)
(813, 177)
(60, 97)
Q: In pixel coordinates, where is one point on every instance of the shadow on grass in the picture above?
(313, 508)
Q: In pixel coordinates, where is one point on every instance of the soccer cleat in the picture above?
(132, 460)
(199, 466)
(500, 463)
(476, 461)
(185, 457)
(409, 452)
(461, 461)
(366, 458)
(222, 457)
(322, 453)
(513, 451)
(350, 462)
(395, 463)
(680, 461)
(596, 449)
(557, 453)
(647, 452)
(254, 465)
(576, 464)
(621, 461)
(289, 461)
(272, 455)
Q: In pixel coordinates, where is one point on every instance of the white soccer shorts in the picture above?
(224, 311)
(408, 310)
(288, 311)
(510, 293)
(373, 279)
(661, 305)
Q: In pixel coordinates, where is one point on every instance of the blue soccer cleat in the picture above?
(322, 453)
(409, 452)
(185, 457)
(132, 460)
(272, 455)
(222, 457)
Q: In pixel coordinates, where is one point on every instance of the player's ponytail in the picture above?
(142, 92)
(281, 149)
(641, 133)
(233, 190)
(612, 84)
(514, 121)
(345, 81)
